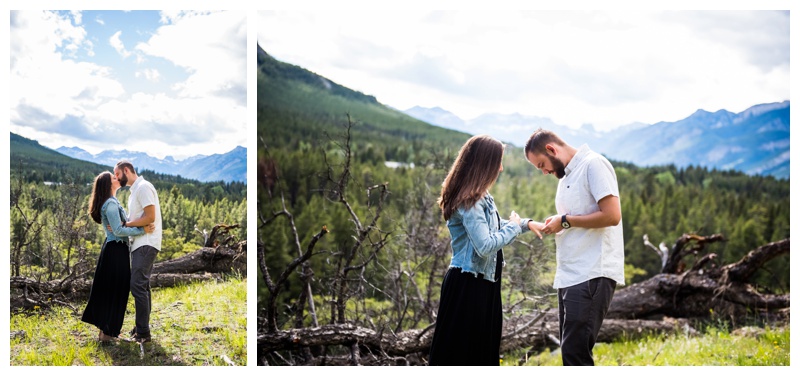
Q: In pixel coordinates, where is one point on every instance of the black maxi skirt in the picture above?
(470, 320)
(108, 298)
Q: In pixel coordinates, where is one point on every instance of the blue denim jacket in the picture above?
(113, 214)
(476, 237)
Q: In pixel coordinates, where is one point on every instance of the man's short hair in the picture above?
(539, 139)
(125, 164)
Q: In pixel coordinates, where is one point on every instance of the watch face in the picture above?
(565, 224)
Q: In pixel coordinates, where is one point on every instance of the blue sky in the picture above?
(164, 83)
(127, 29)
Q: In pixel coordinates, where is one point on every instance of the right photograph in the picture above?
(407, 216)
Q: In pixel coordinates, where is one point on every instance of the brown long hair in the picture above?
(475, 169)
(101, 191)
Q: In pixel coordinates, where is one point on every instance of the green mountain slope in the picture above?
(32, 162)
(296, 106)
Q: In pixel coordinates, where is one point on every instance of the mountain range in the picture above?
(227, 167)
(302, 105)
(754, 141)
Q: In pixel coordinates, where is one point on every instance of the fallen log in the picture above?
(403, 343)
(412, 345)
(701, 292)
(208, 260)
(545, 334)
(667, 303)
(204, 264)
(175, 279)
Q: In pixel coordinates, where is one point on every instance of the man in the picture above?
(589, 248)
(143, 205)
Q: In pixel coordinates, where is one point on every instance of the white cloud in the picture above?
(44, 78)
(59, 99)
(211, 46)
(151, 75)
(607, 68)
(118, 45)
(39, 35)
(76, 16)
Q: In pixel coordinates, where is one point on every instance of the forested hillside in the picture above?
(346, 238)
(31, 161)
(52, 235)
(34, 163)
(301, 108)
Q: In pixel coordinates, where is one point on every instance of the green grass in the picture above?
(714, 348)
(193, 325)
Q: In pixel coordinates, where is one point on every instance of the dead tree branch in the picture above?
(702, 290)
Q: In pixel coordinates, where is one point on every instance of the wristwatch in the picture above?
(564, 223)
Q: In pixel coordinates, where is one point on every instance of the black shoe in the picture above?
(141, 338)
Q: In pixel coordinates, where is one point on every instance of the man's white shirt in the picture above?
(143, 194)
(586, 253)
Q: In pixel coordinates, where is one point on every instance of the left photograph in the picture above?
(128, 188)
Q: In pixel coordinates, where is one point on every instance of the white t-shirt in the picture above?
(586, 253)
(143, 194)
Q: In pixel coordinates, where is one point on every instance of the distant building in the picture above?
(392, 164)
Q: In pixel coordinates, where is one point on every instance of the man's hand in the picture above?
(552, 225)
(148, 217)
(148, 229)
(610, 214)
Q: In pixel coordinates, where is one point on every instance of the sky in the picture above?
(170, 83)
(605, 68)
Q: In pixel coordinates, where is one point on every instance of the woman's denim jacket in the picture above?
(112, 214)
(476, 237)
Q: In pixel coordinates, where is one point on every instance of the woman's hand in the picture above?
(552, 225)
(148, 229)
(536, 228)
(514, 217)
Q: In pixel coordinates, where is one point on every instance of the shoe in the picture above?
(141, 338)
(132, 332)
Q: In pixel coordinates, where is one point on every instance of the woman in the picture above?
(469, 321)
(108, 298)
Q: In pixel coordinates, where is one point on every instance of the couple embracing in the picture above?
(128, 252)
(589, 248)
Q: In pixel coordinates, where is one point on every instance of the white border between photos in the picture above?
(252, 7)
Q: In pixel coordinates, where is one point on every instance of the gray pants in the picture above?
(581, 310)
(142, 260)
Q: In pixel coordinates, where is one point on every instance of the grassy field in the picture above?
(714, 348)
(199, 324)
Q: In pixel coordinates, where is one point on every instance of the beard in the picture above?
(558, 166)
(123, 181)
